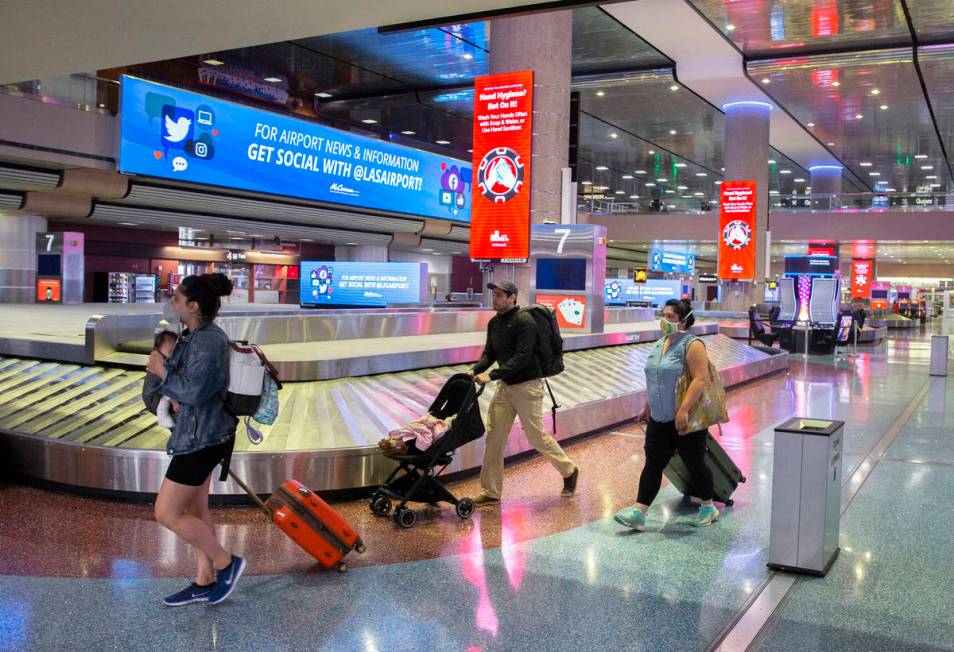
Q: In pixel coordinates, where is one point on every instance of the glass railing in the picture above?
(83, 92)
(845, 202)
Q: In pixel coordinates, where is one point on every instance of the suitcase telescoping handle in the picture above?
(251, 494)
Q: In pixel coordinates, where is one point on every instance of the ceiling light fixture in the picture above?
(600, 93)
(680, 165)
(640, 171)
(127, 223)
(730, 27)
(874, 174)
(468, 56)
(650, 185)
(701, 174)
(811, 124)
(824, 167)
(408, 132)
(931, 176)
(273, 80)
(586, 183)
(799, 180)
(784, 171)
(766, 80)
(718, 183)
(674, 87)
(627, 176)
(875, 91)
(764, 105)
(858, 116)
(672, 132)
(442, 142)
(927, 167)
(884, 107)
(836, 84)
(614, 135)
(865, 164)
(831, 144)
(919, 156)
(213, 62)
(323, 95)
(682, 187)
(662, 180)
(771, 161)
(634, 196)
(652, 151)
(370, 121)
(601, 168)
(619, 192)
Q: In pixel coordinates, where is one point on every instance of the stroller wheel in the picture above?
(465, 508)
(406, 518)
(381, 506)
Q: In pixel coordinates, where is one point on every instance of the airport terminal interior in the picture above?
(372, 179)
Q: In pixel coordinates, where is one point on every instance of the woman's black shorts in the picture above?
(193, 468)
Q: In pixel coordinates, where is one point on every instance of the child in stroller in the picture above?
(415, 478)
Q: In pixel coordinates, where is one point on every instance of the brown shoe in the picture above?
(569, 482)
(483, 500)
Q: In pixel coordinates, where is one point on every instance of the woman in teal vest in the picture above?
(667, 362)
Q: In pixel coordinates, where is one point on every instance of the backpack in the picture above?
(253, 387)
(549, 347)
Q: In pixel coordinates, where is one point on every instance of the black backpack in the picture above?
(549, 348)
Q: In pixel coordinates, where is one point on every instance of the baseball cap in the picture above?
(507, 286)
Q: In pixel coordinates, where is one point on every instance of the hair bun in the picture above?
(219, 283)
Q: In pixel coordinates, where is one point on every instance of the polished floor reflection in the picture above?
(541, 572)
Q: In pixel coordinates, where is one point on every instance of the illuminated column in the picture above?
(18, 257)
(542, 43)
(826, 186)
(746, 159)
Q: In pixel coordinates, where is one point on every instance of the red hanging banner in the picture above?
(861, 272)
(500, 213)
(737, 231)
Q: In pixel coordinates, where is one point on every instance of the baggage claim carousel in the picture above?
(71, 414)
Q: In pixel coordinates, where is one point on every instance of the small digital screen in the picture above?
(844, 328)
(812, 265)
(48, 265)
(879, 294)
(561, 274)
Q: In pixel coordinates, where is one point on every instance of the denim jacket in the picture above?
(197, 375)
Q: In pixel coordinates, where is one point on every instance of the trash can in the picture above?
(806, 496)
(939, 355)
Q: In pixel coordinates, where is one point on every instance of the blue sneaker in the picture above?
(632, 518)
(708, 514)
(188, 595)
(255, 435)
(226, 579)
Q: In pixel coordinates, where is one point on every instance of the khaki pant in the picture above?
(526, 401)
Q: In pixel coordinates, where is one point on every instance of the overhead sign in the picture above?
(708, 278)
(325, 283)
(175, 134)
(640, 275)
(811, 265)
(500, 218)
(619, 291)
(862, 270)
(737, 230)
(673, 262)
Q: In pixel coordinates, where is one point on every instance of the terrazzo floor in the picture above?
(541, 572)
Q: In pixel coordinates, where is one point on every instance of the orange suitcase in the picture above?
(310, 522)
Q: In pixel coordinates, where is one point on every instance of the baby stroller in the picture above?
(415, 479)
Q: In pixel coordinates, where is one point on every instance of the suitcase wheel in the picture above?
(729, 502)
(406, 518)
(381, 506)
(342, 567)
(359, 547)
(465, 508)
(742, 479)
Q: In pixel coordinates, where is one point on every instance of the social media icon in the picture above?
(201, 150)
(179, 164)
(177, 126)
(204, 118)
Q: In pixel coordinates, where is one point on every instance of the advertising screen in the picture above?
(561, 274)
(326, 283)
(737, 230)
(503, 111)
(570, 309)
(48, 289)
(673, 262)
(861, 273)
(811, 265)
(175, 134)
(48, 265)
(657, 291)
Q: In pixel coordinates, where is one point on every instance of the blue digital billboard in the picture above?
(674, 262)
(175, 134)
(656, 291)
(326, 283)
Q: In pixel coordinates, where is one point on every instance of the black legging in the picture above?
(662, 442)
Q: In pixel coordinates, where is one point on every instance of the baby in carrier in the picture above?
(416, 436)
(163, 407)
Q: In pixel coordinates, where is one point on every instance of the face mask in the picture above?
(172, 316)
(667, 327)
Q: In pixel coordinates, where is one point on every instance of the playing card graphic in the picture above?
(572, 311)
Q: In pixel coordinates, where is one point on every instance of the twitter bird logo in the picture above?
(177, 126)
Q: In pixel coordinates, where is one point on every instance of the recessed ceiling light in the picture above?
(442, 142)
(600, 93)
(682, 187)
(927, 167)
(858, 116)
(323, 95)
(920, 156)
(680, 165)
(875, 174)
(935, 185)
(127, 223)
(836, 84)
(634, 196)
(701, 174)
(670, 192)
(890, 189)
(234, 238)
(865, 164)
(672, 132)
(408, 132)
(931, 176)
(370, 121)
(811, 124)
(627, 176)
(723, 169)
(213, 62)
(884, 107)
(650, 185)
(771, 161)
(601, 168)
(730, 27)
(351, 244)
(766, 80)
(875, 91)
(652, 151)
(784, 171)
(273, 80)
(661, 180)
(718, 183)
(586, 183)
(619, 192)
(799, 180)
(674, 87)
(773, 192)
(831, 144)
(698, 194)
(305, 240)
(640, 171)
(468, 56)
(471, 151)
(614, 135)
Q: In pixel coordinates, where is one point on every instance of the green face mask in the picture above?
(667, 327)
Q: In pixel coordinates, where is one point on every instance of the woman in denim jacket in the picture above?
(196, 375)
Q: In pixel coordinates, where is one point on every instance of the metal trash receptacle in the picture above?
(806, 495)
(939, 355)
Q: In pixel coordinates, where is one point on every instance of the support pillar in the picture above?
(746, 158)
(548, 54)
(361, 253)
(18, 257)
(826, 186)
